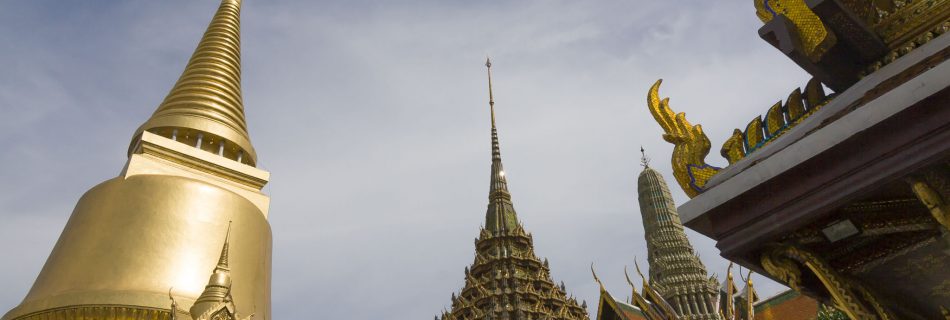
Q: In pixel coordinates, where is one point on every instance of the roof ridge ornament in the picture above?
(690, 144)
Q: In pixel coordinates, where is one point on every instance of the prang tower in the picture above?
(156, 230)
(675, 270)
(508, 281)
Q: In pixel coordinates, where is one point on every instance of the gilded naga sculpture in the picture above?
(691, 145)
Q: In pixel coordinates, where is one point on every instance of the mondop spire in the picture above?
(501, 214)
(205, 105)
(508, 281)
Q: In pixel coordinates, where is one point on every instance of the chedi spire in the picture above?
(204, 108)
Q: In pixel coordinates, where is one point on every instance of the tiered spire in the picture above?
(217, 294)
(216, 302)
(675, 271)
(501, 216)
(507, 280)
(205, 108)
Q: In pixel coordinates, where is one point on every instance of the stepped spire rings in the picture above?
(788, 263)
(205, 108)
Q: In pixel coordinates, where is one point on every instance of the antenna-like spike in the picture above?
(223, 261)
(644, 160)
(491, 95)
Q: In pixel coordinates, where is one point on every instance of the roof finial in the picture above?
(491, 96)
(496, 149)
(637, 265)
(644, 160)
(223, 261)
(630, 282)
(596, 278)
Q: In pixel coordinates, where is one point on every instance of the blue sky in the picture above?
(372, 117)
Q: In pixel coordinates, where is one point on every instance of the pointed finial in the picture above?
(627, 275)
(223, 261)
(491, 95)
(637, 265)
(644, 160)
(596, 278)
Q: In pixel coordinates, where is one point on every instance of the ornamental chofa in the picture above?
(691, 145)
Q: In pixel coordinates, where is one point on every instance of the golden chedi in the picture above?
(156, 229)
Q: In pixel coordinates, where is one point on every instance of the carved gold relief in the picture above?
(904, 19)
(100, 312)
(785, 262)
(934, 202)
(815, 38)
(691, 145)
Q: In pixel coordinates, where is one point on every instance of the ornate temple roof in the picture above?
(507, 280)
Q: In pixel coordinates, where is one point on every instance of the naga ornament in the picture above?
(690, 144)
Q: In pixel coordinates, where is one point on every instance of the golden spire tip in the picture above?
(491, 95)
(223, 261)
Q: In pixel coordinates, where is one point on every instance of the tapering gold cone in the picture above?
(207, 97)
